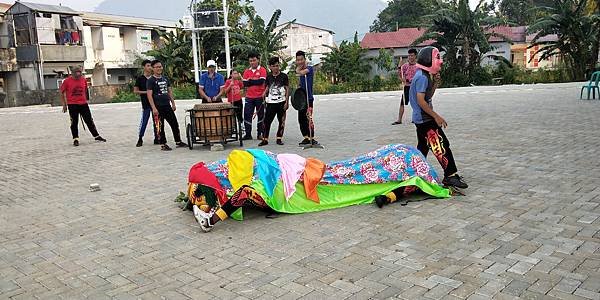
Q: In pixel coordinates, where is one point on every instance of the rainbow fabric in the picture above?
(342, 183)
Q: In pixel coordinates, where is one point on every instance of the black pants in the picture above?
(307, 127)
(431, 136)
(249, 107)
(166, 113)
(275, 109)
(238, 108)
(75, 110)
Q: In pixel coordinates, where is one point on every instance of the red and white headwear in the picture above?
(430, 60)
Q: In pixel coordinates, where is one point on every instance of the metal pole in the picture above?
(195, 52)
(227, 51)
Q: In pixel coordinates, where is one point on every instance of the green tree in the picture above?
(402, 14)
(385, 60)
(522, 12)
(264, 39)
(346, 63)
(463, 34)
(175, 53)
(577, 33)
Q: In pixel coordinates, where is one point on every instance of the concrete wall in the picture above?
(90, 57)
(308, 39)
(8, 60)
(70, 53)
(500, 49)
(114, 74)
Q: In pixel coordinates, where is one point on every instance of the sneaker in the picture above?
(181, 144)
(247, 137)
(139, 143)
(279, 142)
(75, 143)
(263, 143)
(381, 200)
(156, 142)
(100, 139)
(314, 142)
(455, 181)
(203, 219)
(305, 141)
(165, 147)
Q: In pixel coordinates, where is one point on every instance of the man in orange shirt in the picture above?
(73, 95)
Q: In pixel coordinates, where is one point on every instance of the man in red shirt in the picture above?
(73, 95)
(254, 79)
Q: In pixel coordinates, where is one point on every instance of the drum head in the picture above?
(299, 99)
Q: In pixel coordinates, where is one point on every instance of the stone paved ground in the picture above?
(528, 227)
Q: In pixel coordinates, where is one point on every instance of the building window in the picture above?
(122, 78)
(21, 23)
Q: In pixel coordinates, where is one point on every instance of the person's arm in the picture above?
(251, 82)
(302, 71)
(172, 99)
(63, 96)
(221, 92)
(287, 97)
(136, 88)
(151, 98)
(428, 110)
(402, 77)
(203, 94)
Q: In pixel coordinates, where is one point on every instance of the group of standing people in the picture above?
(267, 96)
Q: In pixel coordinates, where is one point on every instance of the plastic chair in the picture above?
(592, 86)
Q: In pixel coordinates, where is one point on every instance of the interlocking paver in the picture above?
(527, 228)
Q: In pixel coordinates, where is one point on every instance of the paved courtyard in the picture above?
(528, 227)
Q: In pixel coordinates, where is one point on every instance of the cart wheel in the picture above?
(190, 137)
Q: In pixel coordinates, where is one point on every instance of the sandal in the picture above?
(397, 123)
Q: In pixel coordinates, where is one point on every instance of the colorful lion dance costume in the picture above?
(289, 183)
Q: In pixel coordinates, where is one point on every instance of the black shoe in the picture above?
(75, 143)
(381, 200)
(279, 142)
(305, 141)
(263, 143)
(139, 143)
(100, 139)
(455, 181)
(181, 144)
(314, 142)
(156, 142)
(165, 147)
(247, 137)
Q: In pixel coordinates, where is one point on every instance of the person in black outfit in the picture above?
(140, 89)
(277, 99)
(160, 96)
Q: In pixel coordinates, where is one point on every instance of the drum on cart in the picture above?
(213, 123)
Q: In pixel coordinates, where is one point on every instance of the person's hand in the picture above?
(437, 79)
(155, 112)
(64, 108)
(441, 122)
(173, 107)
(286, 106)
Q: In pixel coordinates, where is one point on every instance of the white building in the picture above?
(116, 44)
(307, 38)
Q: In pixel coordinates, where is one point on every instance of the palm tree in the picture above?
(463, 34)
(176, 55)
(577, 35)
(263, 39)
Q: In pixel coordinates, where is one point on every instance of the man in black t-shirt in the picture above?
(160, 96)
(277, 98)
(140, 89)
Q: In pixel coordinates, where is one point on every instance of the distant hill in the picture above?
(342, 16)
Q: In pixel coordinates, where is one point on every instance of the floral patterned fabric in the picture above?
(389, 163)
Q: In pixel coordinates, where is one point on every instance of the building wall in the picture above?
(308, 39)
(120, 76)
(500, 49)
